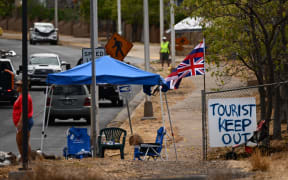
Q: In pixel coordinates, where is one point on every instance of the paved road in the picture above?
(56, 138)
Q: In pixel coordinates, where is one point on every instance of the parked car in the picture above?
(8, 77)
(43, 32)
(42, 64)
(68, 101)
(107, 91)
(110, 92)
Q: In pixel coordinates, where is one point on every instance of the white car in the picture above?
(43, 32)
(42, 64)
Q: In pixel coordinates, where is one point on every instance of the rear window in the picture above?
(69, 90)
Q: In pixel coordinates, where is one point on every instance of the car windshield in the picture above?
(44, 60)
(69, 90)
(44, 26)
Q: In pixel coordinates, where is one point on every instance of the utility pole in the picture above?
(161, 21)
(172, 22)
(56, 13)
(119, 17)
(94, 91)
(148, 109)
(25, 87)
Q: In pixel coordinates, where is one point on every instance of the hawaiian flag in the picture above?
(192, 65)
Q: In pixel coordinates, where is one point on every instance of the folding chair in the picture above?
(153, 150)
(78, 143)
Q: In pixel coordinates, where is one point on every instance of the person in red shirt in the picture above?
(17, 118)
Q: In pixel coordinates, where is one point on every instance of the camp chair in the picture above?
(151, 149)
(78, 143)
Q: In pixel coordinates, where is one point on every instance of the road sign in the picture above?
(125, 90)
(118, 47)
(87, 54)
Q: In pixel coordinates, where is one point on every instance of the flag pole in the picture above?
(204, 128)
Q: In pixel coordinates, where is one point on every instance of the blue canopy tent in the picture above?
(108, 70)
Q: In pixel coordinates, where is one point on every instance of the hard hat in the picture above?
(164, 38)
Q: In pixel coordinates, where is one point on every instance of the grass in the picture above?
(259, 161)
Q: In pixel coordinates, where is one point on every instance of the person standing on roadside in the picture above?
(164, 52)
(18, 118)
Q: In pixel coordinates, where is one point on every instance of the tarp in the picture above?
(108, 70)
(187, 25)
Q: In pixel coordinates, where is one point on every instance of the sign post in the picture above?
(125, 92)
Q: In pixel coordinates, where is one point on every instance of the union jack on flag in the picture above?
(192, 65)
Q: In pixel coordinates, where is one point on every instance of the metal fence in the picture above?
(250, 91)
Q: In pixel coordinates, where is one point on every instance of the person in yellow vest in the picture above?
(164, 52)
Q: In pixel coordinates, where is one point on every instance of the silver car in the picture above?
(43, 32)
(68, 101)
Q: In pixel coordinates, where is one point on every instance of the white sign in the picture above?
(231, 121)
(87, 53)
(125, 90)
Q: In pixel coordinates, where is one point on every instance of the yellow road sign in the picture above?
(118, 47)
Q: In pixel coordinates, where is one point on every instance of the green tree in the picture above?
(253, 32)
(6, 7)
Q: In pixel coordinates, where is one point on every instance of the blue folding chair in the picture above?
(78, 143)
(153, 150)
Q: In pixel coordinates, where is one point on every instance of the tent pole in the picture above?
(170, 121)
(163, 120)
(43, 120)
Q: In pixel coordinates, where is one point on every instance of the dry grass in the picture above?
(259, 162)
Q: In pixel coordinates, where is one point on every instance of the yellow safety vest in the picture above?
(164, 47)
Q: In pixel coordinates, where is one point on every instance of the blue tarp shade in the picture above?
(108, 70)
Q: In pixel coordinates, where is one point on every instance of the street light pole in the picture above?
(119, 17)
(161, 21)
(148, 109)
(24, 88)
(172, 22)
(56, 13)
(94, 92)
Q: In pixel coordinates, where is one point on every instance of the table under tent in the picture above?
(111, 71)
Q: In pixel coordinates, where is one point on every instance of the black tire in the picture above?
(114, 102)
(120, 103)
(51, 120)
(54, 42)
(88, 120)
(32, 42)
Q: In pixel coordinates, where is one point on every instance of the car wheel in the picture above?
(51, 120)
(88, 120)
(114, 102)
(120, 102)
(32, 42)
(54, 42)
